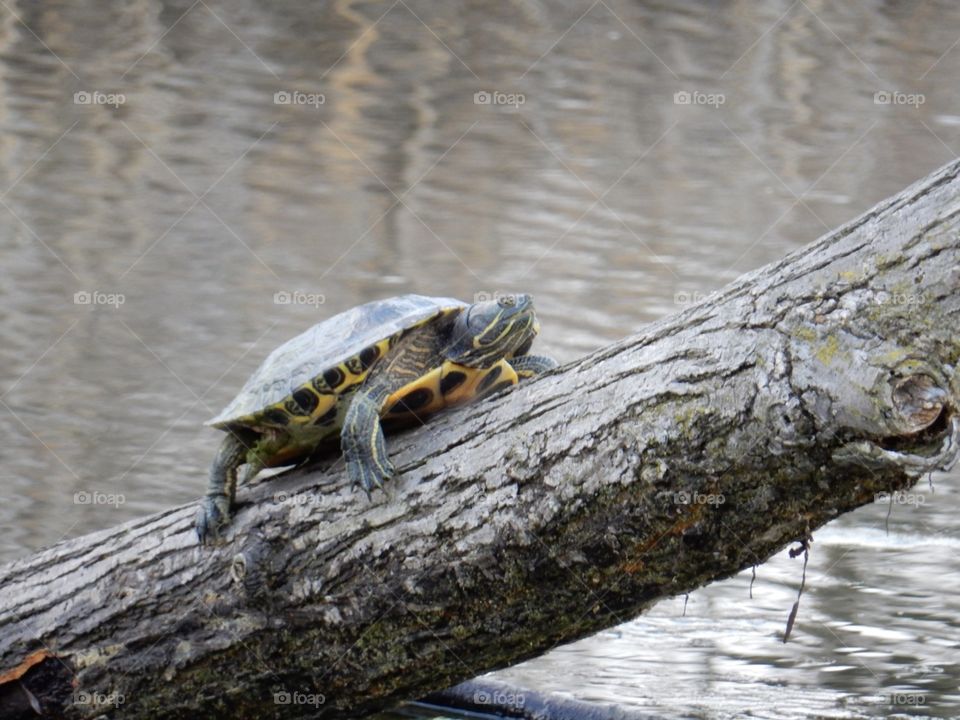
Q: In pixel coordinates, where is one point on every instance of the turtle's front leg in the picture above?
(362, 442)
(215, 513)
(526, 366)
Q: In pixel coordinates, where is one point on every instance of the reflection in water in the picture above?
(621, 158)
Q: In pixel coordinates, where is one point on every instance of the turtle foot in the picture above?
(212, 517)
(368, 475)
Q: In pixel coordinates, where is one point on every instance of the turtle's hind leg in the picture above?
(526, 366)
(215, 513)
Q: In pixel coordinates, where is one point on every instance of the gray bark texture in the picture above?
(681, 455)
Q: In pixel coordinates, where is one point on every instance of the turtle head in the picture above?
(489, 331)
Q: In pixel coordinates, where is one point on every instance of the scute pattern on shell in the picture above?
(327, 344)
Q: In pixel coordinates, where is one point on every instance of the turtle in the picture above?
(399, 358)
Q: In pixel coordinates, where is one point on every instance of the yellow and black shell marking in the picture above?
(448, 386)
(315, 403)
(302, 386)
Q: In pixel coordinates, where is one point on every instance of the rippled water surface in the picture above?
(615, 159)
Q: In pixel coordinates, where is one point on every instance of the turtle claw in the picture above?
(368, 475)
(212, 517)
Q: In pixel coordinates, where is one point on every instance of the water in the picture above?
(185, 209)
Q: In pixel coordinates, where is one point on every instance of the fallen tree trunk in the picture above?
(678, 456)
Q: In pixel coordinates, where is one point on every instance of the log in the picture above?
(489, 697)
(681, 455)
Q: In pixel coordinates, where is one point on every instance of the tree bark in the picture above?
(678, 456)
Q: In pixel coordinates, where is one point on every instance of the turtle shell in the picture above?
(327, 360)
